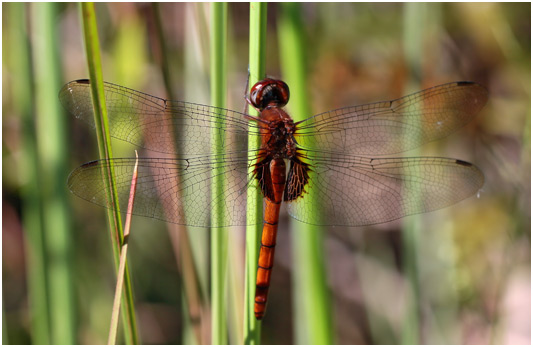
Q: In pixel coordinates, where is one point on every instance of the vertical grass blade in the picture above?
(92, 48)
(52, 169)
(219, 239)
(122, 263)
(414, 19)
(257, 53)
(19, 58)
(313, 321)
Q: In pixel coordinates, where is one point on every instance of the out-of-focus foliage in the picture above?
(473, 259)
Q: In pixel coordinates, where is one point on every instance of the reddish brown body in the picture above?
(277, 144)
(268, 239)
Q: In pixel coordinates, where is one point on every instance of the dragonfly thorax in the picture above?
(278, 140)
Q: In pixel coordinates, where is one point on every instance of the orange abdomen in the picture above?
(268, 239)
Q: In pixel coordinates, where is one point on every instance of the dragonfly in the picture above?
(340, 157)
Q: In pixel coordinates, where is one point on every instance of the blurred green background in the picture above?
(464, 280)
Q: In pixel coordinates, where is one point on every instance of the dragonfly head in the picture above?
(269, 92)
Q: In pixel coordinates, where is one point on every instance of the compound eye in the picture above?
(269, 92)
(282, 93)
(256, 94)
(254, 97)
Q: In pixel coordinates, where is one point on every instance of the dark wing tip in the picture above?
(90, 164)
(462, 163)
(74, 82)
(71, 83)
(477, 174)
(71, 180)
(465, 83)
(70, 92)
(472, 84)
(479, 94)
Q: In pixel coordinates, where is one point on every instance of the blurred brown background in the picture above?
(473, 259)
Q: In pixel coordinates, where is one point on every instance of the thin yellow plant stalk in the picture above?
(122, 263)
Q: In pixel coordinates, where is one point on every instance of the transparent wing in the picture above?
(353, 190)
(397, 125)
(158, 124)
(357, 191)
(174, 190)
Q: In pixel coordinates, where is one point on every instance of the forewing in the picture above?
(355, 191)
(397, 125)
(158, 124)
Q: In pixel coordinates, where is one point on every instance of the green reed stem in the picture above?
(414, 20)
(19, 58)
(92, 47)
(313, 321)
(52, 169)
(257, 53)
(219, 239)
